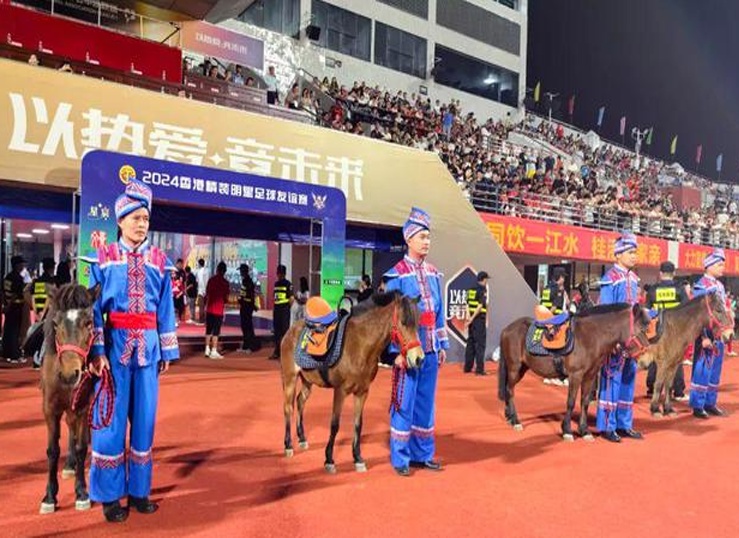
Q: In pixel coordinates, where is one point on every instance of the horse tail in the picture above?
(502, 373)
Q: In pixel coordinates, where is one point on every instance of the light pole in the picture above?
(551, 98)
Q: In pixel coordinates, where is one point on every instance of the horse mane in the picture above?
(377, 300)
(603, 309)
(70, 296)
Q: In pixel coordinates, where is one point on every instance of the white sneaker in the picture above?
(548, 381)
(207, 352)
(214, 354)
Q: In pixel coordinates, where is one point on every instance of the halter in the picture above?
(713, 319)
(104, 397)
(397, 338)
(398, 382)
(635, 346)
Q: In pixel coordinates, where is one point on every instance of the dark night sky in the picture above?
(671, 64)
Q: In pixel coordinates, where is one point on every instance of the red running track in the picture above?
(220, 472)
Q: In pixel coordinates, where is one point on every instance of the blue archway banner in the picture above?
(187, 188)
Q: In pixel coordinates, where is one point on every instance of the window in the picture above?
(343, 31)
(420, 8)
(400, 50)
(281, 16)
(474, 76)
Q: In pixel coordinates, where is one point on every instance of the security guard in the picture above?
(477, 301)
(246, 310)
(666, 295)
(283, 298)
(14, 300)
(40, 287)
(554, 296)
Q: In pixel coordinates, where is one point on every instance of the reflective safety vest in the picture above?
(666, 297)
(547, 301)
(281, 295)
(473, 301)
(39, 295)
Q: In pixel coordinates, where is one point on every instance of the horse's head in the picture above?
(71, 325)
(720, 318)
(639, 320)
(405, 330)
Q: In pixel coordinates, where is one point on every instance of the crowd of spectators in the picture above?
(559, 177)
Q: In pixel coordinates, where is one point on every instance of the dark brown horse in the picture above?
(682, 326)
(68, 336)
(372, 326)
(597, 332)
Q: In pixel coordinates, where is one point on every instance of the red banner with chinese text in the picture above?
(533, 237)
(690, 258)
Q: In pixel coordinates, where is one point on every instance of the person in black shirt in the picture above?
(283, 297)
(191, 291)
(666, 295)
(13, 300)
(247, 306)
(365, 289)
(477, 302)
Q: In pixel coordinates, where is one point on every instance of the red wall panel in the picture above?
(78, 41)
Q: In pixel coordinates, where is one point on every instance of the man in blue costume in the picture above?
(616, 395)
(134, 336)
(708, 354)
(412, 424)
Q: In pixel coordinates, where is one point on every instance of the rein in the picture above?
(634, 346)
(104, 394)
(713, 319)
(398, 383)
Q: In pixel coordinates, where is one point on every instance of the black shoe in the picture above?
(274, 357)
(402, 471)
(431, 465)
(700, 413)
(467, 371)
(715, 411)
(611, 436)
(114, 512)
(481, 373)
(631, 434)
(142, 504)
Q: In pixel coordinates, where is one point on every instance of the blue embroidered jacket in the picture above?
(619, 285)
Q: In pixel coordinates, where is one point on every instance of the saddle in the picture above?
(556, 328)
(321, 341)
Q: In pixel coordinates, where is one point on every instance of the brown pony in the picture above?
(597, 332)
(682, 326)
(68, 337)
(372, 326)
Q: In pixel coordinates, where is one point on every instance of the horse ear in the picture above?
(95, 292)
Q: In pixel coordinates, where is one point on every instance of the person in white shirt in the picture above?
(201, 274)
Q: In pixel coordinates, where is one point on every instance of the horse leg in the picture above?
(586, 392)
(78, 431)
(289, 381)
(511, 414)
(302, 399)
(70, 463)
(573, 388)
(53, 425)
(335, 420)
(659, 384)
(359, 401)
(669, 382)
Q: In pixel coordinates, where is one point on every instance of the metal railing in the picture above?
(487, 198)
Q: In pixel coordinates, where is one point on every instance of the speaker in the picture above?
(313, 32)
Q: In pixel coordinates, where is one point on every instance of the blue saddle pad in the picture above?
(559, 319)
(306, 361)
(534, 346)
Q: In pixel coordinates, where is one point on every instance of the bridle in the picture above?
(81, 352)
(397, 338)
(637, 343)
(714, 322)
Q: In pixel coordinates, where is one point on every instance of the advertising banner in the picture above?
(210, 40)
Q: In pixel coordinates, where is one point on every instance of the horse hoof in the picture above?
(47, 508)
(588, 437)
(289, 452)
(303, 445)
(672, 413)
(67, 473)
(330, 468)
(518, 427)
(568, 437)
(82, 505)
(360, 467)
(657, 414)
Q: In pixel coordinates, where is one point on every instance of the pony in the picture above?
(68, 334)
(682, 326)
(597, 332)
(375, 323)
